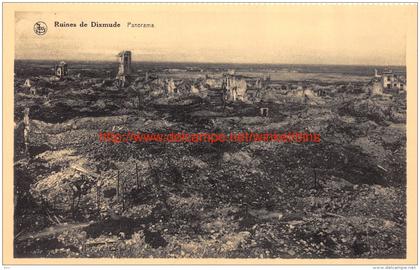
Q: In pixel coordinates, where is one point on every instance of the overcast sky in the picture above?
(314, 34)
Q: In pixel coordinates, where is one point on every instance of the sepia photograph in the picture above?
(199, 131)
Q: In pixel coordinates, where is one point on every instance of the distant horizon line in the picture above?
(220, 63)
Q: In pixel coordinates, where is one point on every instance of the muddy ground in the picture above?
(341, 198)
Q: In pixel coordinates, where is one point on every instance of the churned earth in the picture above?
(78, 197)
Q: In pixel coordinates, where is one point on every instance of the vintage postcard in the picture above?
(209, 133)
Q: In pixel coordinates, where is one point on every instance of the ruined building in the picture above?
(375, 88)
(235, 88)
(61, 70)
(320, 92)
(264, 112)
(258, 83)
(231, 72)
(28, 83)
(124, 69)
(390, 80)
(377, 75)
(195, 89)
(171, 87)
(262, 82)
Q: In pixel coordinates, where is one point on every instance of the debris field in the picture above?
(75, 196)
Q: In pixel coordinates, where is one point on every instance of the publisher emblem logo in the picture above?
(40, 28)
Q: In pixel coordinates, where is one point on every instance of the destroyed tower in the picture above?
(61, 70)
(124, 69)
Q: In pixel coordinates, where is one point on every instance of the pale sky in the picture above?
(279, 34)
